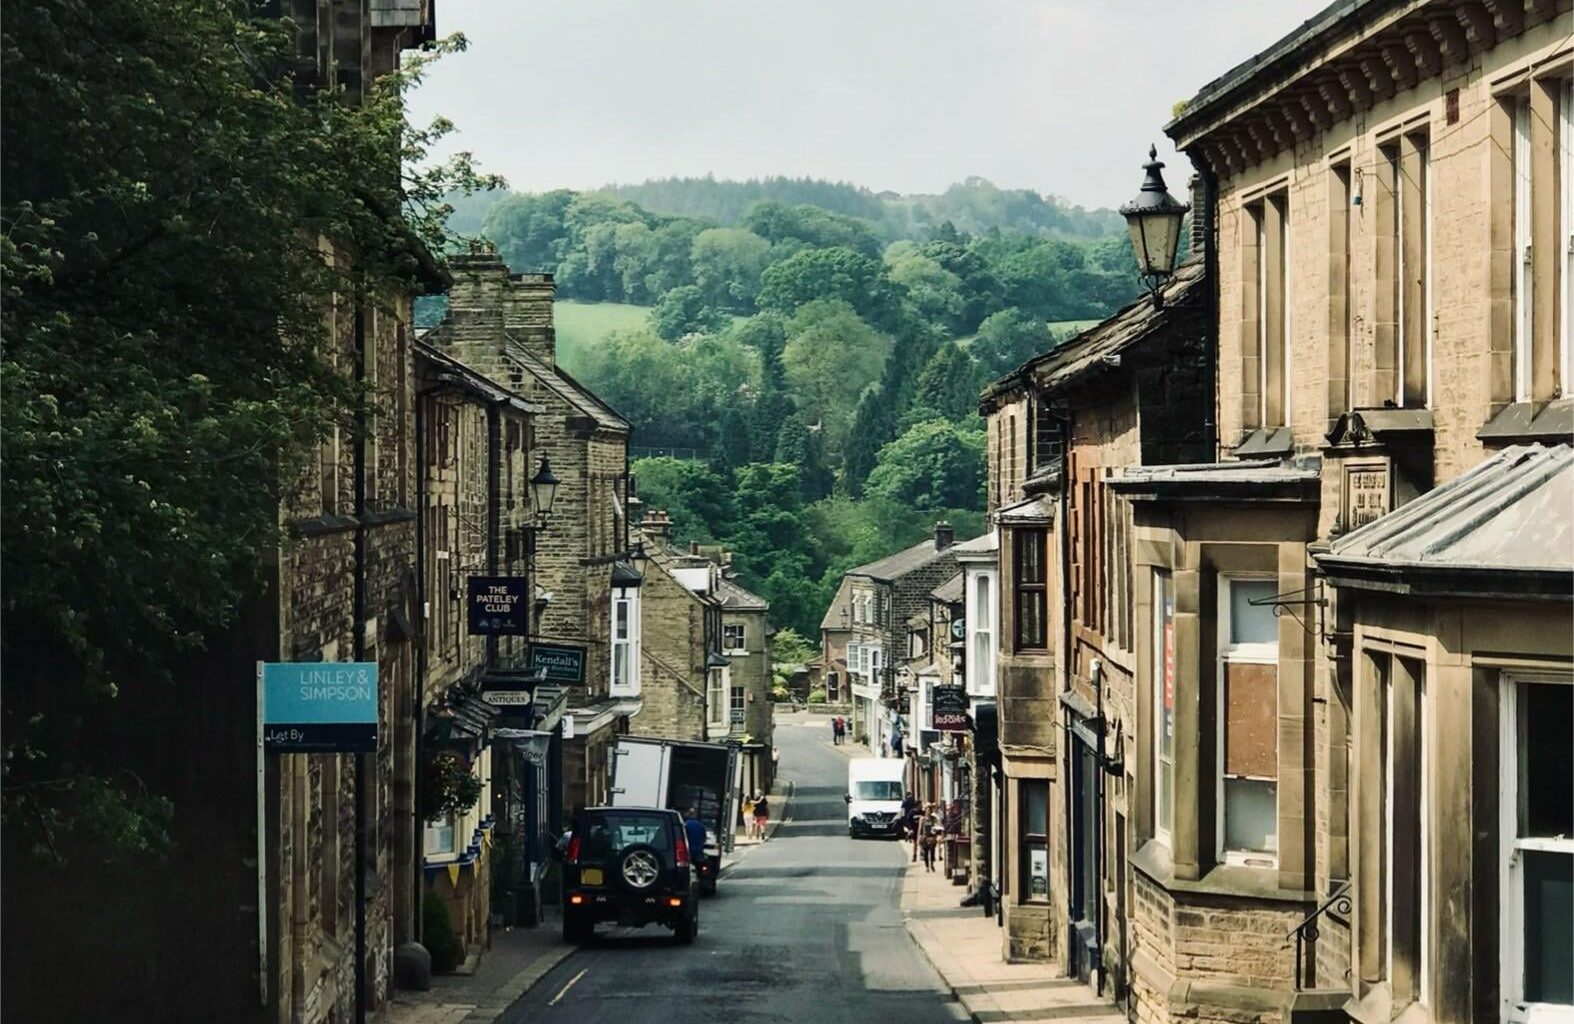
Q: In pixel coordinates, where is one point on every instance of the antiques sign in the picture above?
(1366, 493)
(950, 708)
(497, 606)
(562, 663)
(318, 706)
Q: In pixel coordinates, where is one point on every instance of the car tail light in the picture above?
(576, 899)
(573, 850)
(682, 853)
(674, 902)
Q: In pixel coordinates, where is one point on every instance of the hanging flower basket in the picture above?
(451, 786)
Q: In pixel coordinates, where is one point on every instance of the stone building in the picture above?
(1366, 600)
(745, 643)
(882, 596)
(474, 439)
(835, 631)
(587, 592)
(1129, 392)
(681, 652)
(979, 562)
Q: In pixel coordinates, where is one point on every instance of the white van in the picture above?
(874, 796)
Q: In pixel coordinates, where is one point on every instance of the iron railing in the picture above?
(1307, 931)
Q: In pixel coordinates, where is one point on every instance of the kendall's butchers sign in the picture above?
(318, 706)
(497, 606)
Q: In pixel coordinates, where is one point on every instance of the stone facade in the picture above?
(681, 635)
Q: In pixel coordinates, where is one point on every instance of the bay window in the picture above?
(625, 641)
(1536, 822)
(1031, 589)
(716, 696)
(981, 636)
(1248, 701)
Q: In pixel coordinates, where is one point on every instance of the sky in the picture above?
(1061, 96)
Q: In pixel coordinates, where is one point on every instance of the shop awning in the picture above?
(1503, 530)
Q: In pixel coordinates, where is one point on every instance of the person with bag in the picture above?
(929, 839)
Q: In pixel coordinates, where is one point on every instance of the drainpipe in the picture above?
(1096, 670)
(1210, 271)
(364, 763)
(1063, 530)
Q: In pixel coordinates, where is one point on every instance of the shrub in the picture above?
(780, 694)
(437, 934)
(816, 696)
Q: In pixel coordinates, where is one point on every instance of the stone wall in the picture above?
(672, 658)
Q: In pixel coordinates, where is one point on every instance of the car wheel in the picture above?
(689, 927)
(639, 868)
(577, 930)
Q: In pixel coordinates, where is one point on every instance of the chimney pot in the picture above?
(945, 535)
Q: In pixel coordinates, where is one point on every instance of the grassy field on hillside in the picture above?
(582, 325)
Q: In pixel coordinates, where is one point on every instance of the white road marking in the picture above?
(564, 990)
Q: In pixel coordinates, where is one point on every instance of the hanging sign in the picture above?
(497, 606)
(561, 663)
(318, 706)
(950, 708)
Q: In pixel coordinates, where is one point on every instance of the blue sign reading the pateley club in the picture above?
(319, 706)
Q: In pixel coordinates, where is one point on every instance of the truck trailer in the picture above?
(677, 775)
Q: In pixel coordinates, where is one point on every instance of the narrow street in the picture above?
(805, 927)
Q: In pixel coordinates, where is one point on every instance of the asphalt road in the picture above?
(806, 927)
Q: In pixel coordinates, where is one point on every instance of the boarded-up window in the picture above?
(1249, 720)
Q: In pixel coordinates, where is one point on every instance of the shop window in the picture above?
(1248, 722)
(1537, 826)
(1031, 583)
(1034, 798)
(1163, 706)
(439, 838)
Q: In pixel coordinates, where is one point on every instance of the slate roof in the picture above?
(735, 598)
(474, 380)
(569, 389)
(1071, 359)
(1505, 528)
(903, 562)
(983, 544)
(1028, 512)
(950, 591)
(1242, 479)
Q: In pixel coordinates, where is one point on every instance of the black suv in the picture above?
(630, 865)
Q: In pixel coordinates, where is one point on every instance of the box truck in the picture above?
(677, 775)
(874, 796)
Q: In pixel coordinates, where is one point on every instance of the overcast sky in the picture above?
(1062, 96)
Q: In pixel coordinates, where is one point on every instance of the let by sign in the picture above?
(950, 708)
(319, 706)
(497, 606)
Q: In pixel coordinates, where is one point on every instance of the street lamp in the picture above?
(1154, 219)
(543, 491)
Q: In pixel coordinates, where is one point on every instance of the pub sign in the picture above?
(497, 606)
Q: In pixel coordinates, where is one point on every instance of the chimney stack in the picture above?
(658, 527)
(527, 314)
(945, 536)
(1199, 215)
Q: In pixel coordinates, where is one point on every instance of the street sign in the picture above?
(562, 663)
(506, 698)
(950, 708)
(319, 706)
(497, 606)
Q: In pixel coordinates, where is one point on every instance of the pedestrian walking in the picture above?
(929, 840)
(841, 729)
(762, 814)
(836, 731)
(748, 816)
(694, 832)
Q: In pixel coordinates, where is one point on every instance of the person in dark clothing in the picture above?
(762, 814)
(694, 830)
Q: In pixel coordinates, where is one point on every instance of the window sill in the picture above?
(1153, 859)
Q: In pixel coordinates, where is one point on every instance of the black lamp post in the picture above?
(543, 491)
(1154, 219)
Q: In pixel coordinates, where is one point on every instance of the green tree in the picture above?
(810, 227)
(934, 465)
(163, 380)
(698, 499)
(1008, 339)
(935, 293)
(529, 230)
(727, 266)
(683, 311)
(813, 275)
(947, 388)
(831, 356)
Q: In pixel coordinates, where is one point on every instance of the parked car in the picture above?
(631, 866)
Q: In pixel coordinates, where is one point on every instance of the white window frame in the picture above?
(737, 708)
(982, 604)
(1251, 654)
(1566, 176)
(1160, 832)
(1511, 893)
(1524, 320)
(625, 599)
(728, 631)
(718, 688)
(431, 848)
